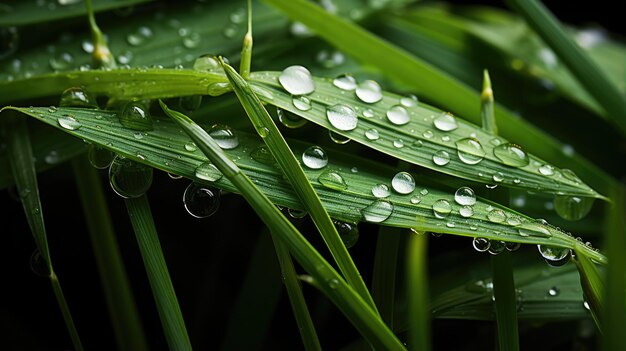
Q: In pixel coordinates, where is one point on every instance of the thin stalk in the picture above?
(20, 160)
(577, 61)
(277, 145)
(592, 284)
(158, 274)
(417, 292)
(101, 54)
(330, 283)
(486, 106)
(384, 277)
(246, 50)
(123, 311)
(296, 298)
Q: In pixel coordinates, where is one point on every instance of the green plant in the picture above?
(150, 88)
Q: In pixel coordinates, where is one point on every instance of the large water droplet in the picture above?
(555, 256)
(315, 157)
(470, 151)
(441, 158)
(537, 228)
(224, 136)
(129, 179)
(349, 232)
(99, 157)
(403, 183)
(572, 208)
(441, 208)
(445, 122)
(481, 244)
(369, 92)
(297, 80)
(496, 216)
(302, 103)
(332, 180)
(77, 97)
(207, 63)
(465, 196)
(378, 211)
(398, 115)
(139, 37)
(201, 201)
(345, 82)
(381, 190)
(289, 119)
(207, 171)
(409, 101)
(68, 122)
(546, 170)
(135, 115)
(342, 117)
(511, 155)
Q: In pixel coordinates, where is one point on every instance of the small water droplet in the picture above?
(68, 122)
(511, 155)
(398, 143)
(403, 183)
(201, 201)
(416, 199)
(207, 171)
(445, 122)
(498, 177)
(333, 283)
(289, 119)
(572, 208)
(496, 247)
(191, 146)
(512, 246)
(369, 92)
(481, 244)
(372, 134)
(441, 158)
(297, 80)
(349, 232)
(409, 101)
(470, 151)
(553, 291)
(381, 190)
(465, 196)
(424, 192)
(192, 40)
(332, 180)
(496, 216)
(342, 117)
(129, 179)
(546, 170)
(302, 103)
(315, 157)
(378, 211)
(224, 136)
(513, 221)
(555, 256)
(441, 208)
(135, 115)
(466, 211)
(368, 113)
(398, 115)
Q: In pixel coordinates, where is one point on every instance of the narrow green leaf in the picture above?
(384, 277)
(505, 304)
(158, 274)
(592, 284)
(417, 291)
(328, 280)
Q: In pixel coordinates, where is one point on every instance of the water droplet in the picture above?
(263, 155)
(9, 39)
(372, 134)
(302, 103)
(496, 247)
(342, 117)
(314, 157)
(481, 244)
(570, 175)
(368, 113)
(424, 192)
(297, 214)
(496, 216)
(511, 155)
(513, 221)
(99, 157)
(466, 211)
(289, 119)
(68, 122)
(378, 211)
(537, 228)
(224, 136)
(77, 97)
(191, 146)
(546, 170)
(62, 61)
(338, 138)
(332, 180)
(208, 171)
(555, 256)
(409, 101)
(470, 151)
(297, 80)
(381, 190)
(190, 103)
(369, 92)
(52, 109)
(465, 196)
(403, 183)
(38, 264)
(441, 208)
(428, 134)
(553, 291)
(441, 158)
(207, 63)
(398, 143)
(398, 115)
(135, 115)
(201, 201)
(512, 246)
(345, 82)
(349, 232)
(445, 122)
(139, 37)
(129, 179)
(572, 208)
(416, 199)
(333, 283)
(498, 177)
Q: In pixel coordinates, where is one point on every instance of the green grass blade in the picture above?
(25, 176)
(505, 302)
(614, 314)
(328, 280)
(433, 83)
(592, 284)
(417, 291)
(384, 277)
(164, 148)
(158, 274)
(592, 78)
(123, 311)
(277, 145)
(420, 137)
(296, 298)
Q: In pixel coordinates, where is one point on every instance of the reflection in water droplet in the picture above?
(369, 92)
(496, 216)
(332, 180)
(403, 183)
(470, 151)
(135, 115)
(297, 80)
(465, 196)
(342, 117)
(201, 201)
(441, 208)
(314, 157)
(555, 256)
(398, 115)
(572, 208)
(224, 136)
(445, 122)
(546, 170)
(496, 247)
(68, 122)
(349, 232)
(441, 158)
(381, 190)
(378, 211)
(481, 244)
(129, 179)
(511, 155)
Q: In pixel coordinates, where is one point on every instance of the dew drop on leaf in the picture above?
(129, 179)
(572, 208)
(224, 136)
(369, 92)
(201, 201)
(496, 216)
(349, 232)
(378, 211)
(77, 97)
(338, 138)
(135, 115)
(297, 80)
(332, 180)
(441, 208)
(398, 115)
(372, 134)
(470, 151)
(381, 191)
(546, 170)
(537, 228)
(302, 103)
(465, 196)
(68, 122)
(408, 101)
(481, 244)
(445, 122)
(441, 158)
(207, 171)
(342, 117)
(345, 82)
(99, 157)
(555, 256)
(289, 119)
(511, 155)
(403, 183)
(315, 157)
